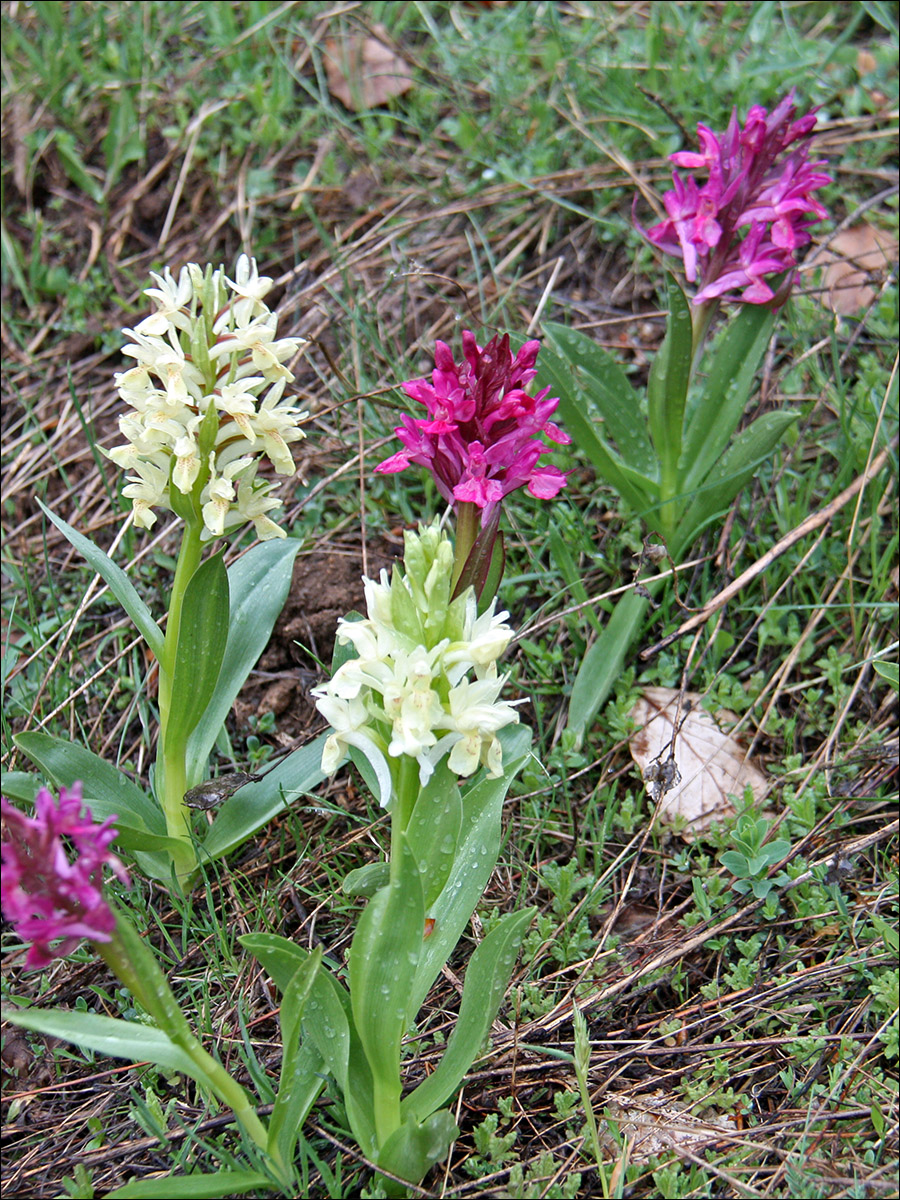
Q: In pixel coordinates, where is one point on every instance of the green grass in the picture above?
(136, 136)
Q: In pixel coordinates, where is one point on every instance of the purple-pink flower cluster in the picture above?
(46, 896)
(483, 434)
(754, 211)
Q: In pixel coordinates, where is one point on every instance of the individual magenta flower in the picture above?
(207, 399)
(747, 221)
(484, 432)
(52, 889)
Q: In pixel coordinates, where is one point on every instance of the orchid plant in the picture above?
(205, 406)
(415, 699)
(675, 456)
(53, 894)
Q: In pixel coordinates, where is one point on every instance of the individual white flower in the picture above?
(351, 726)
(171, 299)
(254, 502)
(146, 491)
(476, 714)
(484, 639)
(221, 493)
(251, 287)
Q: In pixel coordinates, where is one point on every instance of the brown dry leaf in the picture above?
(854, 260)
(711, 765)
(660, 1124)
(363, 72)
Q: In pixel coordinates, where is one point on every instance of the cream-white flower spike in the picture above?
(206, 408)
(423, 697)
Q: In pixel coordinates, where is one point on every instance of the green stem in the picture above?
(171, 766)
(406, 784)
(133, 963)
(386, 1104)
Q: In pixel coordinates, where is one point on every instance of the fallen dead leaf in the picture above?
(659, 1124)
(363, 71)
(710, 765)
(853, 261)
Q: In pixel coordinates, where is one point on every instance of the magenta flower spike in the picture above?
(753, 213)
(52, 892)
(484, 432)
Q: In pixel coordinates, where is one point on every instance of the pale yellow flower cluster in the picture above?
(424, 681)
(207, 398)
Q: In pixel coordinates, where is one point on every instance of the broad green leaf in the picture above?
(343, 1053)
(413, 1149)
(603, 663)
(433, 830)
(258, 584)
(717, 409)
(298, 1084)
(19, 785)
(106, 790)
(669, 377)
(255, 804)
(194, 1187)
(890, 672)
(487, 977)
(366, 881)
(637, 490)
(477, 849)
(382, 963)
(109, 1035)
(201, 647)
(118, 581)
(736, 466)
(324, 1017)
(606, 390)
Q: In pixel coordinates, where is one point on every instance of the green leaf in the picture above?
(413, 1149)
(605, 393)
(201, 648)
(106, 789)
(118, 581)
(382, 963)
(255, 804)
(603, 663)
(736, 863)
(194, 1187)
(890, 672)
(298, 1085)
(366, 881)
(476, 856)
(74, 167)
(109, 1035)
(638, 490)
(487, 977)
(736, 466)
(433, 830)
(669, 377)
(717, 410)
(123, 142)
(258, 584)
(332, 1033)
